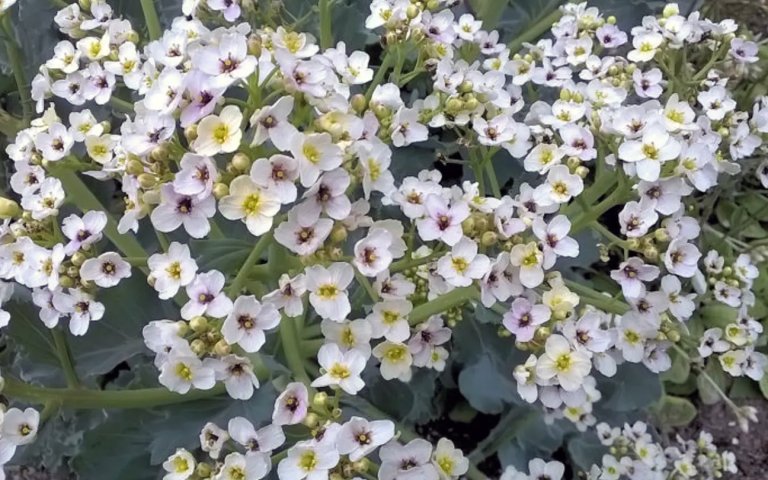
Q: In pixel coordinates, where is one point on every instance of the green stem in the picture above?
(326, 34)
(65, 357)
(122, 106)
(17, 66)
(618, 196)
(386, 63)
(534, 31)
(407, 263)
(495, 189)
(442, 303)
(150, 17)
(366, 285)
(615, 240)
(84, 399)
(254, 256)
(597, 299)
(289, 338)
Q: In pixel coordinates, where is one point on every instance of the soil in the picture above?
(749, 448)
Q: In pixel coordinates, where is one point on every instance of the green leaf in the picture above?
(680, 369)
(632, 388)
(707, 392)
(475, 383)
(412, 402)
(763, 384)
(586, 450)
(225, 254)
(674, 411)
(718, 315)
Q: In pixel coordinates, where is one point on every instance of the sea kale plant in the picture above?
(233, 250)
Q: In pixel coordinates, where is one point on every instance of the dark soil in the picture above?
(751, 449)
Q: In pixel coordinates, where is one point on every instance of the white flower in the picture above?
(46, 201)
(289, 295)
(328, 195)
(172, 270)
(305, 460)
(463, 265)
(349, 335)
(81, 308)
(206, 297)
(449, 460)
(340, 368)
(358, 437)
(716, 102)
(196, 176)
(554, 239)
(410, 461)
(105, 271)
(560, 187)
(176, 210)
(646, 45)
(389, 319)
(655, 148)
(84, 231)
(328, 290)
(442, 222)
(264, 440)
(303, 234)
(181, 373)
(372, 253)
(246, 323)
(396, 360)
(291, 406)
(316, 153)
(227, 62)
(180, 465)
(681, 258)
(246, 467)
(212, 439)
(559, 360)
(272, 123)
(250, 202)
(219, 133)
(631, 274)
(523, 318)
(277, 174)
(530, 259)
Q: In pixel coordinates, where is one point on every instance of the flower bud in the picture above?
(611, 20)
(311, 420)
(199, 324)
(320, 400)
(190, 133)
(433, 4)
(468, 226)
(241, 161)
(183, 327)
(147, 180)
(9, 208)
(582, 171)
(254, 45)
(412, 11)
(160, 153)
(203, 470)
(336, 413)
(390, 39)
(454, 105)
(66, 282)
(670, 10)
(542, 334)
(198, 347)
(358, 103)
(339, 233)
(220, 190)
(465, 86)
(489, 239)
(650, 252)
(362, 465)
(134, 167)
(222, 348)
(85, 4)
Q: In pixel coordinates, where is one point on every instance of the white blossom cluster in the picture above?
(636, 455)
(261, 127)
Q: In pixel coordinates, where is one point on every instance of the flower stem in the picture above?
(535, 30)
(386, 63)
(597, 299)
(85, 399)
(17, 66)
(253, 257)
(289, 338)
(442, 303)
(65, 357)
(326, 34)
(150, 16)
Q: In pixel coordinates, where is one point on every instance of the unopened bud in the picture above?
(320, 400)
(489, 239)
(199, 324)
(670, 10)
(159, 154)
(254, 45)
(582, 171)
(9, 208)
(311, 420)
(190, 133)
(220, 190)
(241, 161)
(358, 103)
(147, 180)
(339, 233)
(198, 347)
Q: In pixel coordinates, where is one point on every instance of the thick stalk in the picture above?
(65, 357)
(151, 18)
(254, 256)
(326, 34)
(16, 59)
(597, 299)
(386, 63)
(84, 399)
(289, 338)
(534, 31)
(442, 303)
